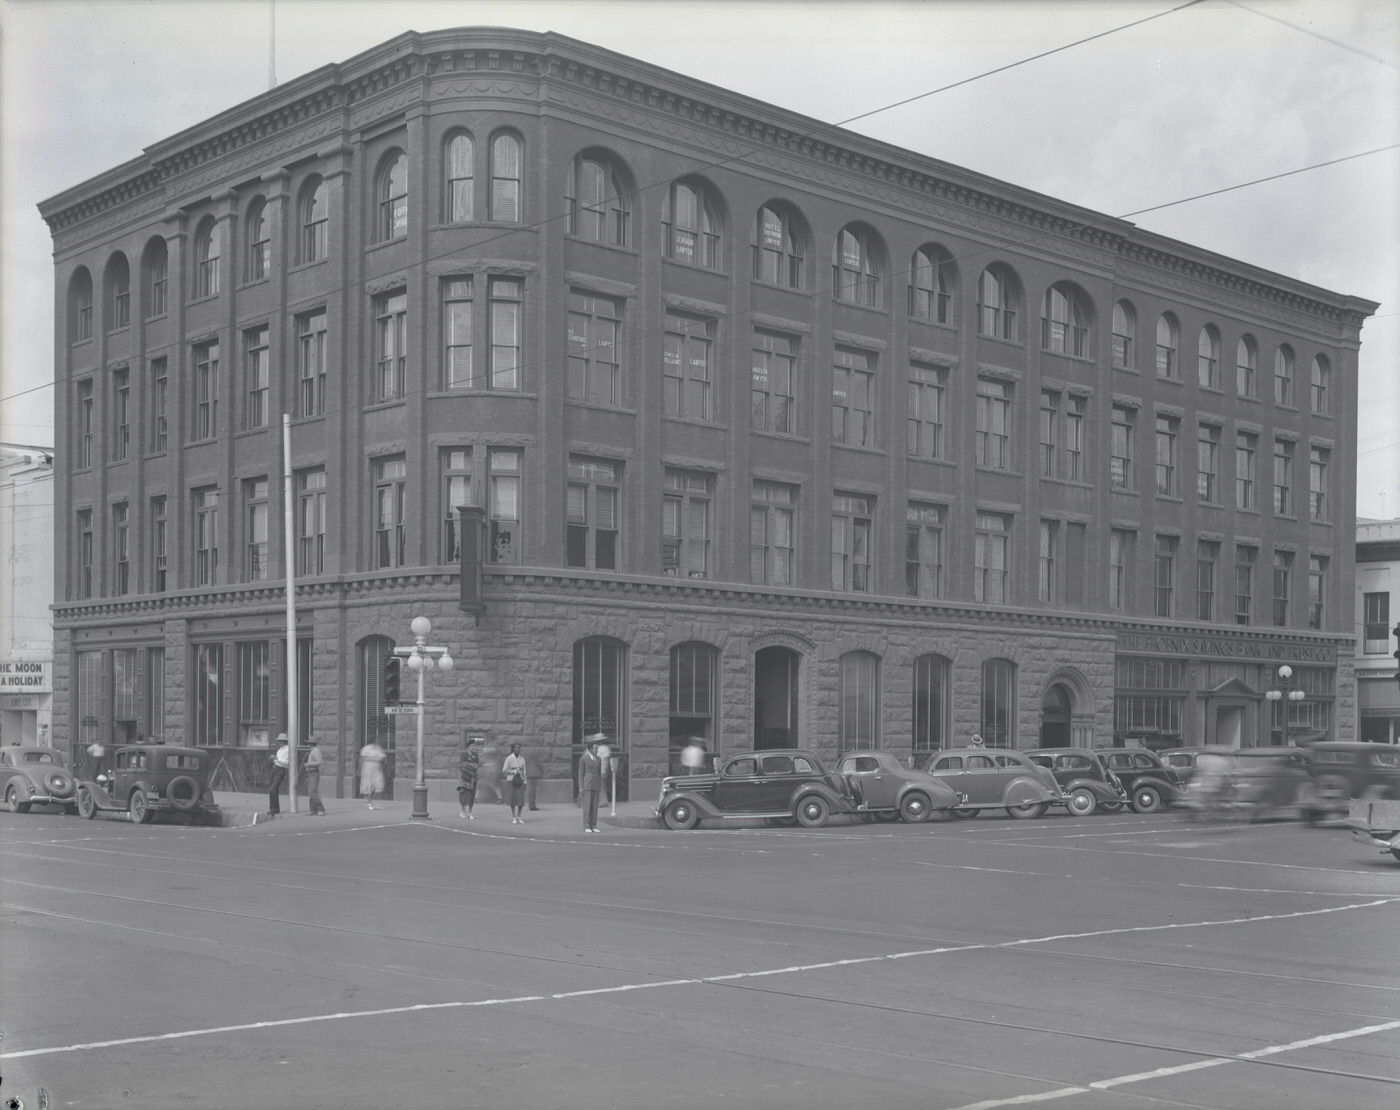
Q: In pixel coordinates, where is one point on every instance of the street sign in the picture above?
(403, 710)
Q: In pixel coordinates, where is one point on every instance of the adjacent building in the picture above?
(26, 594)
(679, 415)
(1377, 622)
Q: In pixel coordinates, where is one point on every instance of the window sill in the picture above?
(690, 421)
(307, 265)
(620, 248)
(798, 289)
(248, 283)
(598, 406)
(785, 437)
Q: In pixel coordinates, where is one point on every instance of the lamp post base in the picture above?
(420, 803)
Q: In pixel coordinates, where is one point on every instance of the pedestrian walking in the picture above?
(489, 778)
(515, 774)
(468, 768)
(371, 771)
(280, 762)
(313, 778)
(590, 780)
(534, 771)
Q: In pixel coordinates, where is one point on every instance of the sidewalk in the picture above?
(244, 810)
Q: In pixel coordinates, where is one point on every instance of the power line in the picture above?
(1314, 34)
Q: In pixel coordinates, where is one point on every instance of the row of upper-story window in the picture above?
(686, 534)
(599, 200)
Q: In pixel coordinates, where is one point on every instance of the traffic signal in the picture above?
(393, 667)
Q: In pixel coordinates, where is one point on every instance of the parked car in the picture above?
(147, 779)
(1085, 780)
(31, 775)
(883, 787)
(778, 783)
(1341, 770)
(997, 778)
(1147, 781)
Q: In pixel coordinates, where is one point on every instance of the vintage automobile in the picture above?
(1147, 781)
(1340, 770)
(997, 778)
(886, 789)
(147, 779)
(785, 784)
(31, 775)
(1375, 821)
(1249, 784)
(1085, 780)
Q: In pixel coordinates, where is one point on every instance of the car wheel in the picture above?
(1027, 811)
(12, 802)
(812, 811)
(1146, 800)
(680, 815)
(964, 812)
(87, 804)
(914, 808)
(137, 807)
(1082, 803)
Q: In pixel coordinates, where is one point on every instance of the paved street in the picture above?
(365, 960)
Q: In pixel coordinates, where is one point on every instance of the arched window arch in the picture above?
(598, 201)
(778, 250)
(80, 305)
(155, 277)
(459, 184)
(1124, 335)
(1321, 384)
(1065, 321)
(1168, 364)
(858, 709)
(1283, 376)
(690, 228)
(856, 267)
(313, 218)
(600, 692)
(258, 263)
(391, 193)
(207, 248)
(998, 303)
(930, 708)
(1208, 358)
(505, 178)
(1246, 366)
(117, 308)
(694, 699)
(932, 280)
(999, 703)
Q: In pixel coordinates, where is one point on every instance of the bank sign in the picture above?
(17, 677)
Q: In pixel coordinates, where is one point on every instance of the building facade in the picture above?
(26, 595)
(1377, 619)
(678, 414)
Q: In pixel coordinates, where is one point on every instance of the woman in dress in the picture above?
(514, 775)
(371, 771)
(466, 788)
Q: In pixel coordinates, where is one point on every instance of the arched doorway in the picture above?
(1056, 709)
(775, 676)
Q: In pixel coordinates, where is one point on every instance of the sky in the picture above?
(1167, 100)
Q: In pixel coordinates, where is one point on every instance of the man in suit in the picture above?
(590, 780)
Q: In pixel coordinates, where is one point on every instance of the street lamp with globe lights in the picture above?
(422, 657)
(1284, 693)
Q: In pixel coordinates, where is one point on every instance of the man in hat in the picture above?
(280, 762)
(313, 778)
(590, 780)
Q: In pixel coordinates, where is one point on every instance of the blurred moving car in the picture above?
(997, 778)
(1086, 781)
(1341, 770)
(1375, 821)
(31, 775)
(147, 779)
(883, 787)
(777, 783)
(1148, 782)
(1181, 762)
(1249, 783)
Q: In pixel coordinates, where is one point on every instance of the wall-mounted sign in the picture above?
(25, 677)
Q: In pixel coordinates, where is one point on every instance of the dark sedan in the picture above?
(1147, 781)
(784, 784)
(1082, 775)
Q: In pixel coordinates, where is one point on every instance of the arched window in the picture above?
(258, 264)
(777, 248)
(600, 691)
(855, 271)
(505, 179)
(1321, 384)
(1246, 366)
(689, 226)
(858, 709)
(930, 710)
(1124, 335)
(206, 259)
(374, 724)
(598, 203)
(118, 308)
(80, 305)
(1208, 358)
(313, 216)
(694, 699)
(392, 194)
(155, 277)
(999, 703)
(1283, 376)
(459, 166)
(998, 302)
(1065, 321)
(1167, 343)
(931, 277)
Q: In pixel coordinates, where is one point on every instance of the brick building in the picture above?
(767, 433)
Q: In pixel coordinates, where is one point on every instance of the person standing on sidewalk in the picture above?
(280, 763)
(466, 786)
(514, 774)
(590, 780)
(313, 778)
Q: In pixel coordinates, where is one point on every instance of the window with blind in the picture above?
(126, 692)
(390, 510)
(88, 711)
(503, 465)
(687, 369)
(155, 694)
(374, 723)
(999, 703)
(859, 698)
(771, 533)
(693, 691)
(930, 713)
(851, 527)
(255, 693)
(208, 705)
(456, 464)
(590, 538)
(505, 179)
(774, 384)
(459, 184)
(685, 524)
(923, 550)
(599, 690)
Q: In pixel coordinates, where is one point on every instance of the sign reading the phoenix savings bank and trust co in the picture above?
(25, 677)
(1224, 647)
